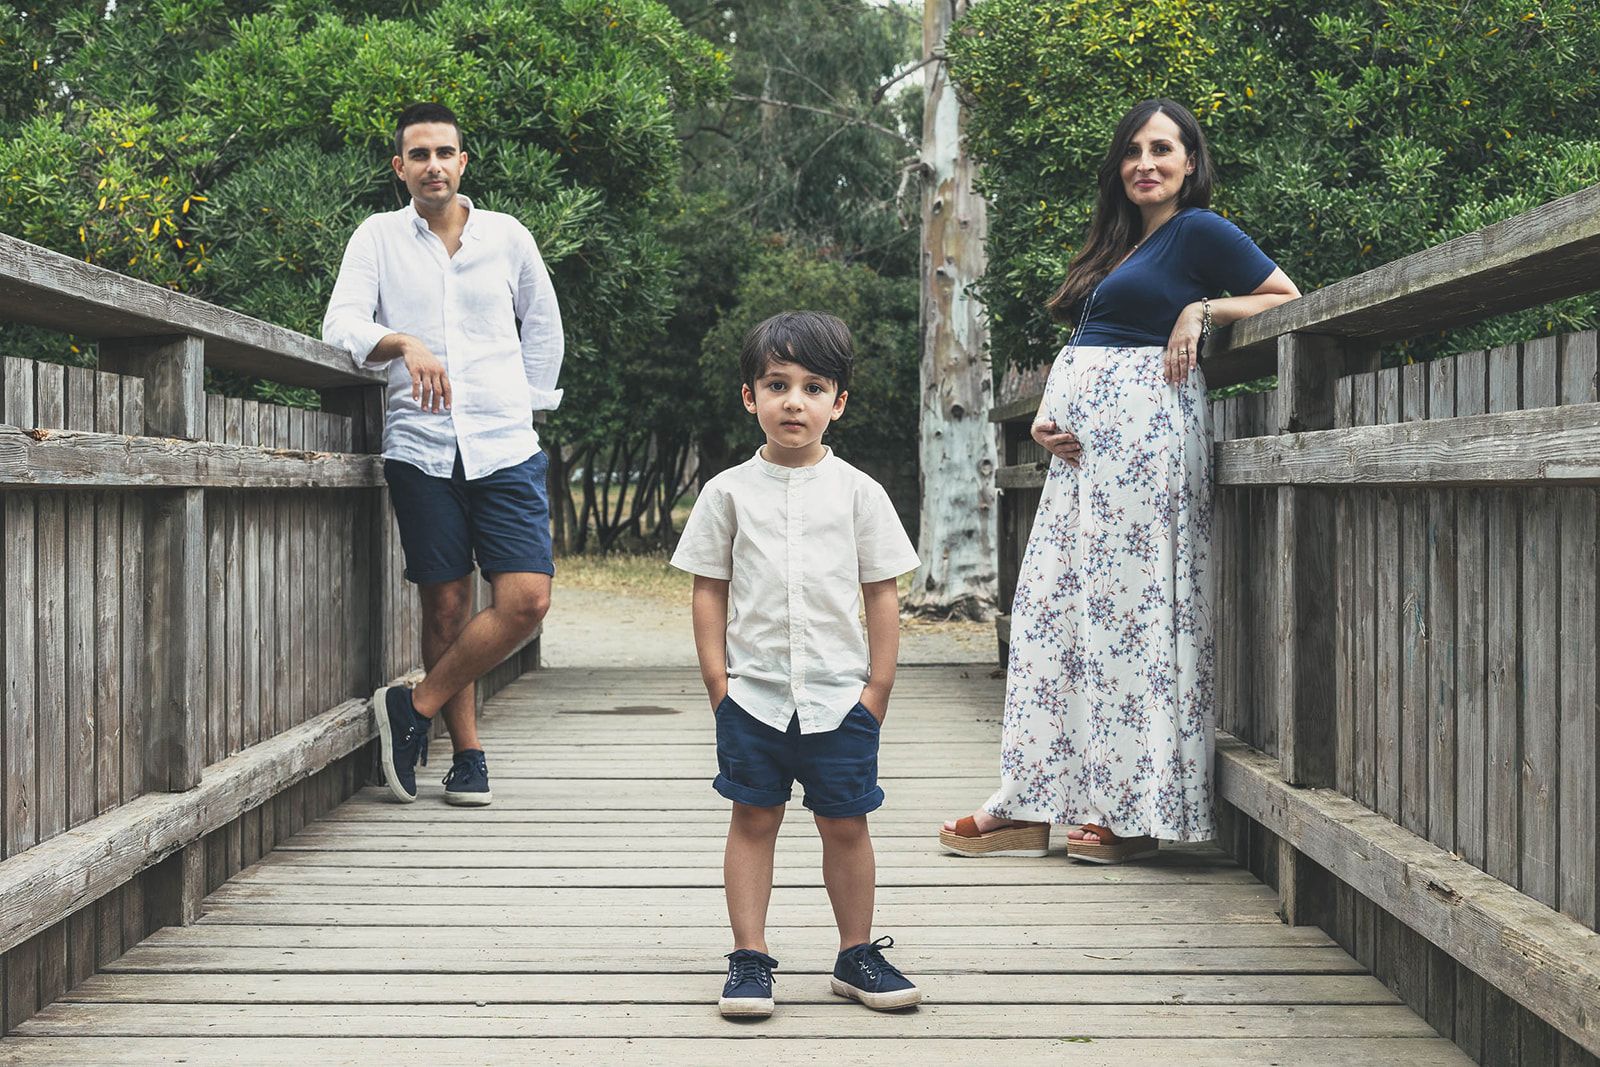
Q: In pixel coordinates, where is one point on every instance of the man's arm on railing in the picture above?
(543, 343)
(349, 323)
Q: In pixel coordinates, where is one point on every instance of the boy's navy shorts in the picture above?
(501, 519)
(757, 764)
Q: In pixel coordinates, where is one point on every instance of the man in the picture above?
(435, 291)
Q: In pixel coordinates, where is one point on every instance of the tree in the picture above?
(1346, 133)
(958, 456)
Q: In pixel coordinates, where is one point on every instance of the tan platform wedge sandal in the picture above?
(1110, 848)
(1030, 839)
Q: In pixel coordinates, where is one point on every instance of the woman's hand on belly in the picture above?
(1058, 442)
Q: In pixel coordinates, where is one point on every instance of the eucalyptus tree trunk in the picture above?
(958, 546)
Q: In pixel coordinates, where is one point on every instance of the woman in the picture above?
(1109, 717)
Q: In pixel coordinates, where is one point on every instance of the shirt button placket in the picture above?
(797, 666)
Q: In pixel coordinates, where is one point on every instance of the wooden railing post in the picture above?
(173, 369)
(1308, 366)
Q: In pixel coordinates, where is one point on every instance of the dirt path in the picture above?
(591, 628)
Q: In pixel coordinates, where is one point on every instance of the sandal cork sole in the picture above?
(1030, 842)
(1118, 850)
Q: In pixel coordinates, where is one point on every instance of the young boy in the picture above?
(785, 548)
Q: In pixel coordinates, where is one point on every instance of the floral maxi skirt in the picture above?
(1109, 695)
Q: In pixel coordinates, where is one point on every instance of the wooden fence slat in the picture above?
(257, 667)
(1502, 736)
(1471, 671)
(216, 598)
(77, 763)
(21, 725)
(108, 659)
(1440, 641)
(1413, 682)
(1538, 631)
(50, 599)
(1364, 412)
(1387, 562)
(1578, 880)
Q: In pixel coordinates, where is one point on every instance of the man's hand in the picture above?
(430, 385)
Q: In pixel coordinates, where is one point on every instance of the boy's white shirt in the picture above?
(795, 545)
(397, 278)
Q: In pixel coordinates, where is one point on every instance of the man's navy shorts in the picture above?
(502, 520)
(757, 764)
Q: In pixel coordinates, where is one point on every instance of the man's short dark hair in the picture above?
(817, 341)
(418, 113)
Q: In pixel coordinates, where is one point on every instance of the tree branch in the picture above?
(852, 120)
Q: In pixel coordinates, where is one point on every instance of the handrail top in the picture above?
(1550, 252)
(45, 288)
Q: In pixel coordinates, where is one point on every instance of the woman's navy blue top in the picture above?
(1193, 254)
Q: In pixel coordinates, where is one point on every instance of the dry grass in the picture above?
(650, 575)
(644, 574)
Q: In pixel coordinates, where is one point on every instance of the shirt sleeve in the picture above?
(882, 548)
(1225, 257)
(543, 343)
(349, 323)
(706, 547)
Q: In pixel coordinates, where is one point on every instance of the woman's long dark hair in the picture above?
(1117, 222)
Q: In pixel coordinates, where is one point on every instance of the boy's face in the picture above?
(793, 405)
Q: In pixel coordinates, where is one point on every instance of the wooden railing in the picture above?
(199, 593)
(1406, 627)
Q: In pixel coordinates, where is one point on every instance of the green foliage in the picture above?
(878, 429)
(1347, 133)
(237, 167)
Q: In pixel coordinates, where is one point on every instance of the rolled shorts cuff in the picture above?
(526, 565)
(437, 577)
(848, 808)
(755, 798)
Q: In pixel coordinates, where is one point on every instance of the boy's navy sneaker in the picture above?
(748, 991)
(468, 780)
(863, 974)
(402, 739)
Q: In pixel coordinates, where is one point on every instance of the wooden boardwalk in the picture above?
(580, 919)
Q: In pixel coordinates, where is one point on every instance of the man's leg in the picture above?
(521, 600)
(446, 610)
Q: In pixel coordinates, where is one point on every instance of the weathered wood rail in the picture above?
(198, 592)
(1406, 623)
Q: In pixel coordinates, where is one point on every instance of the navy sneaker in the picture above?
(402, 739)
(468, 780)
(748, 991)
(863, 974)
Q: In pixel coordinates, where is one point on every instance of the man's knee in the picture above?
(526, 600)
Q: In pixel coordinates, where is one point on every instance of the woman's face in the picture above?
(1155, 163)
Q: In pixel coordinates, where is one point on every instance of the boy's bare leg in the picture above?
(446, 609)
(521, 600)
(747, 872)
(850, 871)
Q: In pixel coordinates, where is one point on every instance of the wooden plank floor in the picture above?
(580, 919)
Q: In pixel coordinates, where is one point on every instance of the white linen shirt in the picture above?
(398, 278)
(795, 545)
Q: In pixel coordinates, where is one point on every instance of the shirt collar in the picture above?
(471, 228)
(778, 470)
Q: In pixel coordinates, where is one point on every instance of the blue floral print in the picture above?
(1110, 692)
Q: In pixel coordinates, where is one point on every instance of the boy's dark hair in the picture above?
(418, 113)
(817, 341)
